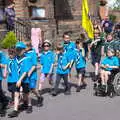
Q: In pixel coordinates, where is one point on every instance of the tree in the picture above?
(116, 5)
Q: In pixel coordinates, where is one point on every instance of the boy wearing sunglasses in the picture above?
(47, 59)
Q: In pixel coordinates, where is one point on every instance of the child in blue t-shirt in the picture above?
(47, 59)
(32, 74)
(109, 63)
(62, 70)
(12, 77)
(3, 74)
(80, 64)
(23, 80)
(69, 48)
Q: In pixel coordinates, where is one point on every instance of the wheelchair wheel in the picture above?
(117, 84)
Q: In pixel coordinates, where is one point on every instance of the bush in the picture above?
(112, 18)
(9, 40)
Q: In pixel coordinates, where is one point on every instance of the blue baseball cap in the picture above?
(20, 45)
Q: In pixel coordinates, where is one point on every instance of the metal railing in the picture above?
(22, 29)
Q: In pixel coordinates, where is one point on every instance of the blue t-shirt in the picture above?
(3, 60)
(24, 65)
(80, 59)
(62, 61)
(69, 48)
(12, 67)
(46, 61)
(33, 62)
(111, 61)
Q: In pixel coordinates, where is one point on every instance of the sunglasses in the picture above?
(46, 46)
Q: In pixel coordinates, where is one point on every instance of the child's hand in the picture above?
(107, 66)
(5, 75)
(29, 74)
(18, 84)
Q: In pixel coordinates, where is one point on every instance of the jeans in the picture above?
(58, 79)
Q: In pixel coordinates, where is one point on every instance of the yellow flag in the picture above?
(86, 21)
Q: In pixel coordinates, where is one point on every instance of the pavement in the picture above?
(77, 106)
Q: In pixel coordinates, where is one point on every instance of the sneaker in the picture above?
(23, 107)
(54, 93)
(29, 109)
(40, 101)
(67, 92)
(78, 89)
(13, 114)
(11, 104)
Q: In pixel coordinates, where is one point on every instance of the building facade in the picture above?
(54, 17)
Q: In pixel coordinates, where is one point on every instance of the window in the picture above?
(37, 12)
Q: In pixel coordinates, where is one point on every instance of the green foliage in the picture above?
(9, 40)
(112, 18)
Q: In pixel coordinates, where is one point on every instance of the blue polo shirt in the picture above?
(24, 65)
(12, 67)
(33, 62)
(3, 60)
(46, 61)
(80, 59)
(62, 61)
(112, 61)
(69, 48)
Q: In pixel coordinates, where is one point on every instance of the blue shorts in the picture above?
(33, 84)
(80, 71)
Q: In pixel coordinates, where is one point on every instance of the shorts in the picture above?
(25, 87)
(81, 71)
(12, 87)
(95, 58)
(44, 75)
(33, 84)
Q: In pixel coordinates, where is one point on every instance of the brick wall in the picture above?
(72, 8)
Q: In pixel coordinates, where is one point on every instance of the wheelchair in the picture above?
(113, 85)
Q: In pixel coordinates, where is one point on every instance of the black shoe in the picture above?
(2, 113)
(84, 86)
(54, 93)
(95, 86)
(13, 114)
(67, 92)
(40, 101)
(29, 109)
(78, 89)
(23, 107)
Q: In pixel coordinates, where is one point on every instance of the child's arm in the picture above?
(113, 67)
(51, 68)
(18, 84)
(67, 66)
(103, 66)
(31, 71)
(5, 71)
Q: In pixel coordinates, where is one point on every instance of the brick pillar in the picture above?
(21, 8)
